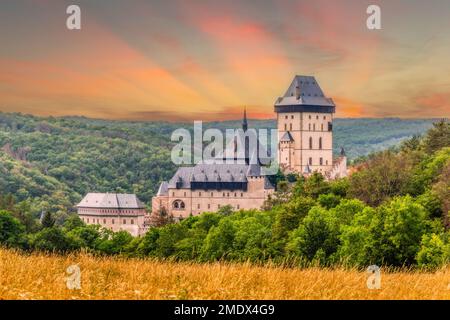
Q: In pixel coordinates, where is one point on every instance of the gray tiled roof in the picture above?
(310, 93)
(163, 189)
(221, 172)
(287, 137)
(111, 200)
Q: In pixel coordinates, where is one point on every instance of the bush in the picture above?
(404, 221)
(434, 251)
(316, 235)
(53, 240)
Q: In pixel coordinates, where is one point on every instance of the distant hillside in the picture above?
(360, 136)
(75, 154)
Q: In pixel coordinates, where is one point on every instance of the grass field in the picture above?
(39, 276)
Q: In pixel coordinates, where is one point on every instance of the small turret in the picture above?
(244, 121)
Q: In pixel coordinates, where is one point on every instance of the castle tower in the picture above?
(305, 127)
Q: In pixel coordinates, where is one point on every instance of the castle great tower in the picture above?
(305, 128)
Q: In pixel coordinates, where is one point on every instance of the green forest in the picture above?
(392, 211)
(51, 163)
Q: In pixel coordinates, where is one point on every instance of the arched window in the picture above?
(320, 143)
(178, 205)
(290, 126)
(310, 142)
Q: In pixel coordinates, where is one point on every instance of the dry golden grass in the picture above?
(39, 276)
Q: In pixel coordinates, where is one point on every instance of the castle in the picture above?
(305, 145)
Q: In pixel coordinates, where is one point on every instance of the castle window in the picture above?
(178, 205)
(310, 161)
(314, 127)
(212, 194)
(132, 221)
(209, 206)
(218, 206)
(228, 194)
(292, 117)
(112, 221)
(235, 194)
(199, 194)
(317, 117)
(309, 117)
(104, 221)
(310, 142)
(185, 193)
(321, 161)
(290, 126)
(238, 207)
(285, 127)
(173, 194)
(198, 206)
(286, 117)
(309, 127)
(242, 194)
(87, 219)
(321, 127)
(324, 117)
(330, 126)
(124, 221)
(320, 143)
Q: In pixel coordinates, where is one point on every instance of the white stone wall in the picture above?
(199, 201)
(131, 220)
(303, 126)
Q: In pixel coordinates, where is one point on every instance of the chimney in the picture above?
(297, 92)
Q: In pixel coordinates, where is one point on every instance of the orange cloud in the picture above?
(348, 108)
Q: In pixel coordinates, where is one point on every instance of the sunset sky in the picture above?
(185, 60)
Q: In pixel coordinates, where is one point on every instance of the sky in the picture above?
(183, 60)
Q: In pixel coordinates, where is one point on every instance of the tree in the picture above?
(149, 244)
(288, 217)
(437, 137)
(161, 218)
(434, 251)
(114, 242)
(316, 238)
(357, 240)
(404, 222)
(53, 239)
(383, 176)
(11, 230)
(316, 185)
(73, 222)
(47, 220)
(87, 236)
(225, 210)
(329, 200)
(219, 241)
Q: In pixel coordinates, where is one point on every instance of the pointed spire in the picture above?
(244, 122)
(342, 152)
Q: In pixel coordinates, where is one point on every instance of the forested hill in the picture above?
(55, 161)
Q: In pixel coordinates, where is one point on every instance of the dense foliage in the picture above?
(392, 211)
